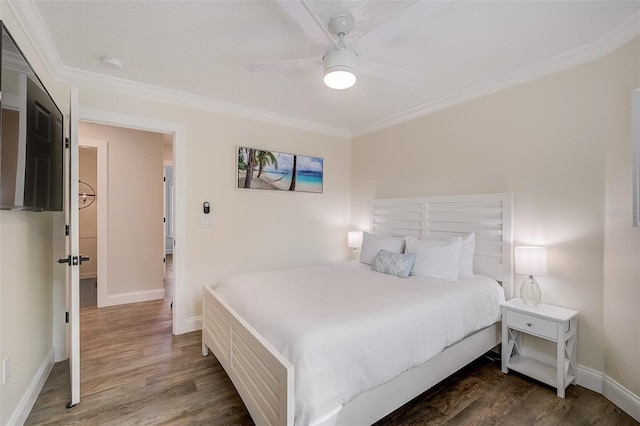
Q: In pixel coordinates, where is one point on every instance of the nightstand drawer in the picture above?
(529, 324)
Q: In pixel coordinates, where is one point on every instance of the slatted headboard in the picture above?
(488, 215)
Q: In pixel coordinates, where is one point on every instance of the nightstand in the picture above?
(548, 322)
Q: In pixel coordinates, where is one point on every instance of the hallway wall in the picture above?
(135, 212)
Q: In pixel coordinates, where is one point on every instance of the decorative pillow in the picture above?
(372, 244)
(434, 258)
(467, 250)
(396, 264)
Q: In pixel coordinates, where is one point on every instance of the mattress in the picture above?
(347, 329)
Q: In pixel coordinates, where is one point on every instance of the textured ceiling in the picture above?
(200, 49)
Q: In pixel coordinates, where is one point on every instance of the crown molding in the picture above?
(114, 84)
(614, 39)
(29, 19)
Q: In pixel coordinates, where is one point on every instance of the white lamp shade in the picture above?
(354, 239)
(531, 260)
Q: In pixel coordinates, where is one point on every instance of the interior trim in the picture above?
(20, 414)
(598, 382)
(625, 31)
(31, 22)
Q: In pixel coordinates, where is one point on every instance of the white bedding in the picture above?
(347, 329)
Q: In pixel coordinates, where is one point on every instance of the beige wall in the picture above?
(135, 210)
(26, 308)
(167, 148)
(557, 143)
(622, 242)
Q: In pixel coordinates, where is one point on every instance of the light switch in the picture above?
(205, 220)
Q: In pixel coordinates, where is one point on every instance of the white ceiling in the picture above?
(194, 52)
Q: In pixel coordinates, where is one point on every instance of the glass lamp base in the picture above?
(530, 292)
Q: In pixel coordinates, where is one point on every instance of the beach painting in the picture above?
(278, 171)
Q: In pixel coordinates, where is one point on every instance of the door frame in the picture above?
(102, 253)
(168, 213)
(181, 323)
(72, 165)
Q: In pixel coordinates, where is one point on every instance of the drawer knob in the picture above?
(529, 324)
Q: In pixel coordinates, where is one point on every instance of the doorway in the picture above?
(181, 321)
(130, 257)
(88, 224)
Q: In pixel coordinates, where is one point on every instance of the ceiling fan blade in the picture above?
(388, 72)
(285, 65)
(387, 31)
(309, 22)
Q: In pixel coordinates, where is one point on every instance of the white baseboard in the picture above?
(612, 390)
(189, 325)
(619, 395)
(134, 297)
(590, 379)
(30, 396)
(87, 275)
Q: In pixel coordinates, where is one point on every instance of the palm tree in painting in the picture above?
(251, 157)
(294, 170)
(265, 158)
(242, 158)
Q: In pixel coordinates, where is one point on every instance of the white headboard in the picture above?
(488, 215)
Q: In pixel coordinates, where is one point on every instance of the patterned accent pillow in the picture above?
(396, 264)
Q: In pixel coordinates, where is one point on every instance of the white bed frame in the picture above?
(265, 379)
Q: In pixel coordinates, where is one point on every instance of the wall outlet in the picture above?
(6, 370)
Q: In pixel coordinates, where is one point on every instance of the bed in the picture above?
(259, 351)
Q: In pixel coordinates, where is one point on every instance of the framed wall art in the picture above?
(279, 171)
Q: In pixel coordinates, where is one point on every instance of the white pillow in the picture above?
(435, 258)
(372, 244)
(467, 250)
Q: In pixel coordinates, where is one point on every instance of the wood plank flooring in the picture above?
(134, 371)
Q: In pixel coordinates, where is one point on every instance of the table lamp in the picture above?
(531, 261)
(354, 240)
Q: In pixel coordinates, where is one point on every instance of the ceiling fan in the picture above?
(342, 62)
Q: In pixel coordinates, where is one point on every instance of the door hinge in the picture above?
(66, 230)
(164, 260)
(66, 142)
(164, 220)
(164, 179)
(66, 317)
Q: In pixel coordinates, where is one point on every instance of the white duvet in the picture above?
(347, 329)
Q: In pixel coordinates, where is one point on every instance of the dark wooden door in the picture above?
(43, 166)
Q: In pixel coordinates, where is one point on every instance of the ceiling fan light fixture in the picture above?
(339, 79)
(340, 68)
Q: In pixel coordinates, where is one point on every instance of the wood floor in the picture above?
(134, 371)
